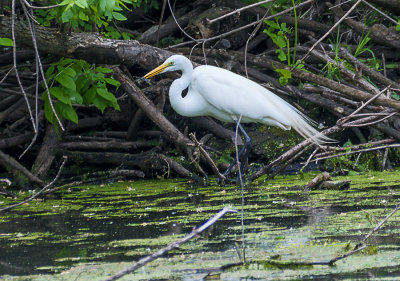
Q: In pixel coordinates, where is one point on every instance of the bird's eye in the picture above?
(171, 63)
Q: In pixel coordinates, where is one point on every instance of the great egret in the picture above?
(228, 97)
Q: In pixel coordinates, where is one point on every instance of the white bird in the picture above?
(229, 97)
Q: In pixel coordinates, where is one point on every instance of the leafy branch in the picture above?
(77, 82)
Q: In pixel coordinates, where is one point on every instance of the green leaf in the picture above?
(110, 4)
(112, 81)
(66, 81)
(272, 24)
(100, 103)
(83, 16)
(67, 15)
(6, 42)
(76, 98)
(284, 72)
(103, 5)
(281, 55)
(280, 40)
(66, 2)
(283, 81)
(104, 93)
(50, 71)
(89, 96)
(48, 113)
(118, 16)
(82, 84)
(81, 3)
(60, 94)
(66, 111)
(103, 69)
(70, 72)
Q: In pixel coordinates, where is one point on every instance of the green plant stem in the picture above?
(295, 32)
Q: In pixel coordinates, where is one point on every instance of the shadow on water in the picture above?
(79, 231)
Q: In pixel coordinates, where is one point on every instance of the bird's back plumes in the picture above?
(304, 126)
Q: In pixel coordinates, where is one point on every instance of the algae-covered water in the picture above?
(91, 232)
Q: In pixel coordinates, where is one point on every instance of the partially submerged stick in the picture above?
(143, 261)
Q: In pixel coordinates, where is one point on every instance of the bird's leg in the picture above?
(247, 146)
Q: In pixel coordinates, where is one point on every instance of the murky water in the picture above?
(92, 232)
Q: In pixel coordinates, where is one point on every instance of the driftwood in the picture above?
(360, 97)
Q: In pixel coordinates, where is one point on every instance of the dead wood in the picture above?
(378, 32)
(16, 140)
(88, 46)
(9, 163)
(46, 153)
(150, 109)
(390, 5)
(217, 129)
(149, 161)
(318, 180)
(150, 36)
(112, 145)
(340, 98)
(36, 195)
(196, 231)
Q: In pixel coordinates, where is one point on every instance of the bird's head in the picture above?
(173, 63)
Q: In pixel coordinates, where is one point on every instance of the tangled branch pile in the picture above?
(341, 57)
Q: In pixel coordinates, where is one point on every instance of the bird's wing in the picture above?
(236, 95)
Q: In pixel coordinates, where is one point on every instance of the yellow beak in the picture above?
(156, 71)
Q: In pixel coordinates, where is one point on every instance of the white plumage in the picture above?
(227, 96)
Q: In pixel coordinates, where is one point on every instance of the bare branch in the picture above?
(239, 10)
(36, 195)
(145, 260)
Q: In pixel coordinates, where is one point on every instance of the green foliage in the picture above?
(74, 81)
(6, 42)
(398, 25)
(279, 35)
(91, 15)
(353, 164)
(361, 46)
(168, 41)
(284, 75)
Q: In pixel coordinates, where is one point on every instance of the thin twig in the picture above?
(160, 21)
(38, 7)
(239, 10)
(176, 21)
(362, 245)
(357, 124)
(241, 187)
(326, 34)
(369, 101)
(356, 151)
(15, 65)
(46, 187)
(145, 260)
(251, 37)
(237, 29)
(5, 76)
(345, 255)
(207, 157)
(379, 11)
(379, 225)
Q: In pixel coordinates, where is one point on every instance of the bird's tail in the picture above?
(304, 126)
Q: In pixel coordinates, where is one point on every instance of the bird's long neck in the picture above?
(183, 105)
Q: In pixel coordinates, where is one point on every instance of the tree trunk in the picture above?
(46, 153)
